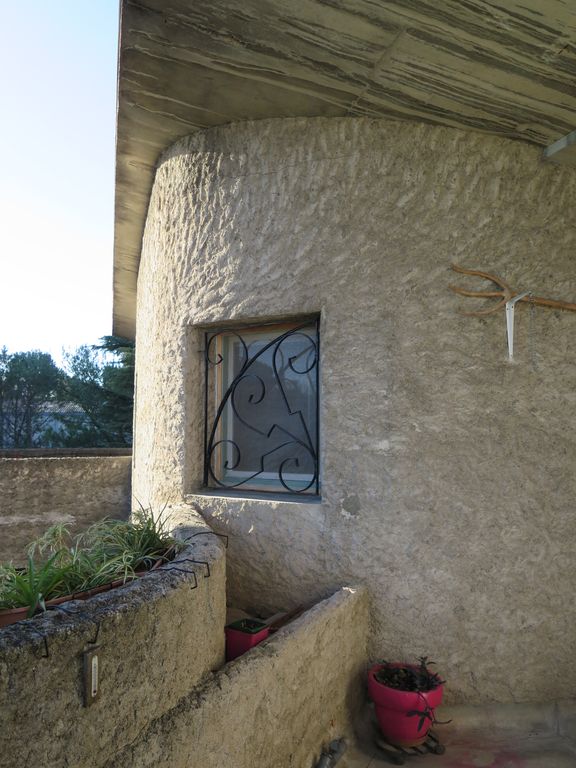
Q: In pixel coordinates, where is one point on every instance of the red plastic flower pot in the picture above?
(242, 635)
(405, 717)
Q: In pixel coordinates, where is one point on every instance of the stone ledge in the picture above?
(57, 453)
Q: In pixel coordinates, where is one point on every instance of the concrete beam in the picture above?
(563, 151)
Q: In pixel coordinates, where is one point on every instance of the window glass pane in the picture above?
(262, 428)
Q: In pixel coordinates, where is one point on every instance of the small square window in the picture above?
(261, 408)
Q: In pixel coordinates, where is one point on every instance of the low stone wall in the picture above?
(158, 637)
(275, 706)
(40, 491)
(166, 696)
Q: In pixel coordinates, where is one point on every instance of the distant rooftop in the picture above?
(506, 68)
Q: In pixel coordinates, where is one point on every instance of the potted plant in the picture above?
(405, 697)
(24, 591)
(107, 555)
(244, 634)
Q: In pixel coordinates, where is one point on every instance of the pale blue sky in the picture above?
(57, 132)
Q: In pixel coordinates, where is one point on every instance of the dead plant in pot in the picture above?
(405, 697)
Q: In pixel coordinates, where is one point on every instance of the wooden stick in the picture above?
(554, 303)
(504, 295)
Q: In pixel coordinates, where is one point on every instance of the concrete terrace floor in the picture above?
(500, 736)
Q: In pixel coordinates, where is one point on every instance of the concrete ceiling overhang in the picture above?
(506, 67)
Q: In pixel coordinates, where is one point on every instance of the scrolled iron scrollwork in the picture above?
(210, 340)
(279, 453)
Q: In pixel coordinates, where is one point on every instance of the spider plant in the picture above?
(108, 551)
(91, 569)
(54, 540)
(142, 541)
(32, 586)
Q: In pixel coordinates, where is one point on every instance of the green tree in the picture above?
(118, 383)
(29, 390)
(4, 360)
(99, 384)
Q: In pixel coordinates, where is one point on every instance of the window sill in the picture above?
(283, 498)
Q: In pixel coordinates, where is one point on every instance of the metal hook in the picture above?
(93, 642)
(197, 562)
(46, 654)
(74, 614)
(186, 571)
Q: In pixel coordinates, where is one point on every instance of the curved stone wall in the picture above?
(447, 472)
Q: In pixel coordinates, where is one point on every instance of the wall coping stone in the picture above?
(54, 453)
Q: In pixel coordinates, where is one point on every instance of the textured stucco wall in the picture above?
(36, 493)
(158, 639)
(447, 472)
(278, 705)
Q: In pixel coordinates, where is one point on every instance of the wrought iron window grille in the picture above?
(261, 408)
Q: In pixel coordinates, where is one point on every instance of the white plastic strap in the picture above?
(510, 321)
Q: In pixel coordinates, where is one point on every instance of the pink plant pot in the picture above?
(242, 635)
(393, 707)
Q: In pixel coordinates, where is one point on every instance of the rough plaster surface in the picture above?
(39, 492)
(447, 472)
(278, 705)
(504, 66)
(158, 638)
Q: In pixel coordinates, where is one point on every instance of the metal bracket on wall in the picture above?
(209, 533)
(75, 614)
(187, 571)
(190, 560)
(46, 654)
